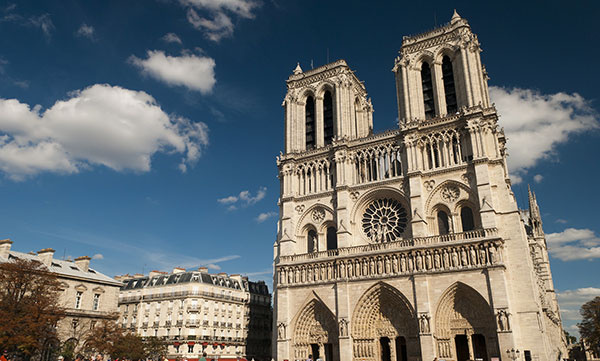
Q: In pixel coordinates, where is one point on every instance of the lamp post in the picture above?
(513, 354)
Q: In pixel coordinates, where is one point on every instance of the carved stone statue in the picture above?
(281, 331)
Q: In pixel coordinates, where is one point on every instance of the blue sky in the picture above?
(145, 132)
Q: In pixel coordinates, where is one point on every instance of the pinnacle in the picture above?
(298, 69)
(455, 17)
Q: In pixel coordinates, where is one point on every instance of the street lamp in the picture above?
(513, 354)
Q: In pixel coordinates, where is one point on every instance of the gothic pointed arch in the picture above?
(449, 193)
(383, 313)
(314, 324)
(465, 321)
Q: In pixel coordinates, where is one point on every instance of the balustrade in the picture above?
(448, 257)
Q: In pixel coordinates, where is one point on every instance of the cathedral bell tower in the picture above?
(407, 244)
(323, 105)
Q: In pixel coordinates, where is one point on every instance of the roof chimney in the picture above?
(178, 270)
(5, 247)
(155, 273)
(203, 269)
(83, 263)
(45, 255)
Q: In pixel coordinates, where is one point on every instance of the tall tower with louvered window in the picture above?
(407, 245)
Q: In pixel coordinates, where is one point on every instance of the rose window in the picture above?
(384, 220)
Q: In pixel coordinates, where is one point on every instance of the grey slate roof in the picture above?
(66, 268)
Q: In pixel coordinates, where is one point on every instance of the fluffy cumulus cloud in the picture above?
(570, 302)
(574, 244)
(214, 17)
(243, 199)
(536, 123)
(86, 31)
(172, 38)
(264, 216)
(188, 70)
(101, 125)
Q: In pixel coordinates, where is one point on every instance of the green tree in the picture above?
(156, 349)
(589, 327)
(29, 307)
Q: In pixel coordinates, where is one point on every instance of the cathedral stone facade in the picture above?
(407, 245)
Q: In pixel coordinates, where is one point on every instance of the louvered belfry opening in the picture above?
(310, 123)
(328, 117)
(427, 85)
(449, 88)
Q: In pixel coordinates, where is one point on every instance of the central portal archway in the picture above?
(465, 327)
(384, 326)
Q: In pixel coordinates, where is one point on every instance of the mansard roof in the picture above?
(181, 278)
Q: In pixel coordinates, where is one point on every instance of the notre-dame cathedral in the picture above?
(407, 245)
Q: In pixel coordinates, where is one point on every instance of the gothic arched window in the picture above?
(356, 116)
(331, 238)
(449, 88)
(466, 218)
(328, 117)
(312, 241)
(443, 223)
(309, 111)
(427, 84)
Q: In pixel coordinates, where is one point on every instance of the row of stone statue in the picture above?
(447, 258)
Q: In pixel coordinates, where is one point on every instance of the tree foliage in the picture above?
(589, 327)
(110, 339)
(29, 307)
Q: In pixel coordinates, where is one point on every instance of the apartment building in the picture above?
(195, 312)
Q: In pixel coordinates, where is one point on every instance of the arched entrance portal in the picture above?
(465, 325)
(315, 333)
(384, 326)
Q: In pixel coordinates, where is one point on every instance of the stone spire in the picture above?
(535, 218)
(298, 69)
(455, 17)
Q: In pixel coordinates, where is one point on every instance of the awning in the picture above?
(176, 344)
(191, 343)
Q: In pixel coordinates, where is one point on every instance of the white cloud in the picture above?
(571, 300)
(536, 123)
(538, 178)
(3, 62)
(86, 31)
(244, 198)
(172, 38)
(191, 71)
(264, 216)
(562, 221)
(43, 22)
(98, 256)
(574, 244)
(100, 125)
(219, 25)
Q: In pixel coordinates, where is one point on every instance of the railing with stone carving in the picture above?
(472, 254)
(419, 241)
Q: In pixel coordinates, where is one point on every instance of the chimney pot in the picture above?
(83, 263)
(5, 247)
(45, 255)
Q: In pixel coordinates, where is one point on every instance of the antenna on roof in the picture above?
(64, 253)
(311, 64)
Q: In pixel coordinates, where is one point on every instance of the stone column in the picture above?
(319, 121)
(438, 88)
